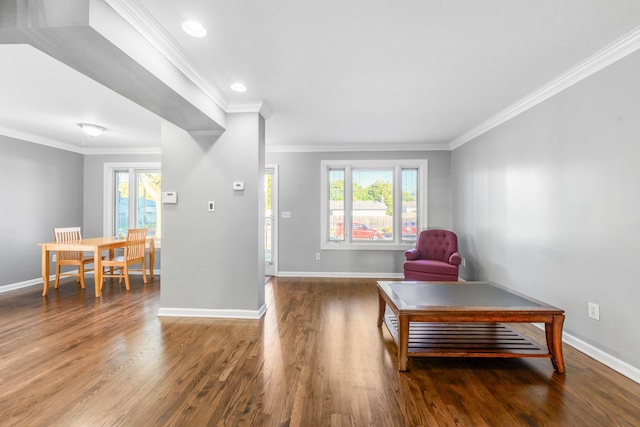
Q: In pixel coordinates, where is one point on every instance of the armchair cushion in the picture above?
(431, 266)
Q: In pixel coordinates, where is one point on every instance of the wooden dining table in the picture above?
(96, 245)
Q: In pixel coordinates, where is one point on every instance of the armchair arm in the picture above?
(412, 254)
(455, 259)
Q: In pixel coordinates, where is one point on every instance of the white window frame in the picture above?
(348, 165)
(109, 191)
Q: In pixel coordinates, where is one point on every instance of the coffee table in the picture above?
(465, 319)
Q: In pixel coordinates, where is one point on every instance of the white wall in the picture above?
(549, 204)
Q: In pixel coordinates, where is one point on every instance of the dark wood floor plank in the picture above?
(315, 359)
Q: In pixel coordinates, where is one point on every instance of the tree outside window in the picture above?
(134, 199)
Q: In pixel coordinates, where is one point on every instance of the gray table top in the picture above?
(426, 295)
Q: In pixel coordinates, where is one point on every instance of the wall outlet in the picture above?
(317, 256)
(463, 263)
(53, 258)
(286, 214)
(594, 311)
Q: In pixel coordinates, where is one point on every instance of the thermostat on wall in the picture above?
(238, 185)
(169, 197)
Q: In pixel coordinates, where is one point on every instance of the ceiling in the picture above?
(336, 74)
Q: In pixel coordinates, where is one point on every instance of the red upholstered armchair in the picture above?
(435, 257)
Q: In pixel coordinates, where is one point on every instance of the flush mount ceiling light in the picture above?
(91, 130)
(238, 87)
(194, 28)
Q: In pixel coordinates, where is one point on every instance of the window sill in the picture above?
(367, 246)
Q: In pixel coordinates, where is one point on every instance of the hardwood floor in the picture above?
(315, 359)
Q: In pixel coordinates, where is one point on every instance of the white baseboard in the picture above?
(25, 284)
(212, 313)
(340, 275)
(601, 356)
(52, 278)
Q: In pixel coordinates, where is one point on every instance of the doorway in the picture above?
(271, 220)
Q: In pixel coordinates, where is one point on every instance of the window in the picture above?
(383, 203)
(133, 198)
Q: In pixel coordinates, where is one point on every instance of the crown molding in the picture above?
(136, 15)
(53, 143)
(356, 148)
(121, 150)
(24, 136)
(261, 107)
(612, 53)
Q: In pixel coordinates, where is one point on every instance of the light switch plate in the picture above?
(238, 185)
(212, 206)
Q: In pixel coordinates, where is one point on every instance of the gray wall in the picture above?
(549, 204)
(214, 260)
(41, 188)
(299, 192)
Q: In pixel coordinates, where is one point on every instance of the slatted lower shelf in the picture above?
(465, 340)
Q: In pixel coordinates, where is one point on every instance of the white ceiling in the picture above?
(340, 74)
(44, 101)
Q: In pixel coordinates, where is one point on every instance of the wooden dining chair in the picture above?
(133, 254)
(74, 258)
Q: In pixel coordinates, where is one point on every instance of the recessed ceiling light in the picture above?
(194, 28)
(238, 87)
(91, 130)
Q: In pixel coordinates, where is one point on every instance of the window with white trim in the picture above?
(383, 201)
(133, 198)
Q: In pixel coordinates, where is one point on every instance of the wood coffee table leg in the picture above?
(382, 306)
(553, 333)
(403, 342)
